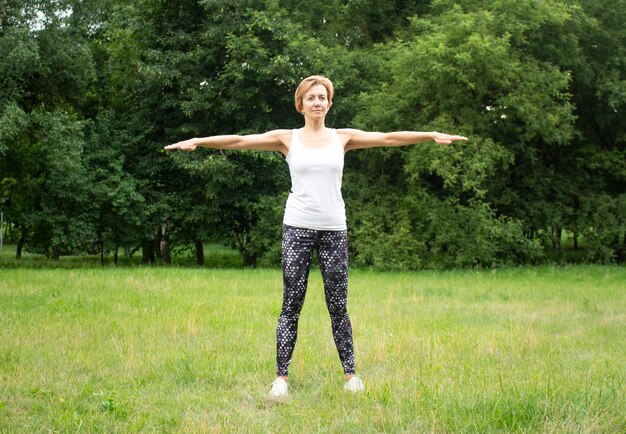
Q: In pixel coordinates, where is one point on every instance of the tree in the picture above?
(598, 71)
(44, 73)
(467, 77)
(91, 91)
(217, 69)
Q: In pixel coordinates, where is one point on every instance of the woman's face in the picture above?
(315, 102)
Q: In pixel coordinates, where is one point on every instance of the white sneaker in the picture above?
(279, 388)
(354, 385)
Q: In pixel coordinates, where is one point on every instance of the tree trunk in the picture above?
(56, 252)
(20, 245)
(164, 245)
(166, 255)
(158, 237)
(249, 260)
(115, 255)
(147, 247)
(199, 252)
(556, 241)
(102, 253)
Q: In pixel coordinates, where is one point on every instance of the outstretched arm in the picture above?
(357, 139)
(275, 140)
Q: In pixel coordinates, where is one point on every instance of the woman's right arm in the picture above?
(276, 140)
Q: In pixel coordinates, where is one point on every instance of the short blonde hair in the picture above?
(308, 83)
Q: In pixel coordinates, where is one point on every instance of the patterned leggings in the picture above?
(297, 251)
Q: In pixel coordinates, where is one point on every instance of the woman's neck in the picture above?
(314, 125)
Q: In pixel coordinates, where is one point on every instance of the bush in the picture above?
(425, 232)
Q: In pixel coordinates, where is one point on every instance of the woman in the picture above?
(314, 214)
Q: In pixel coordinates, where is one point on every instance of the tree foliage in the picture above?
(91, 91)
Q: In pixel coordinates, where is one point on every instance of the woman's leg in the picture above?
(297, 250)
(333, 259)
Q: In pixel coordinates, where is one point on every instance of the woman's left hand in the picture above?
(446, 139)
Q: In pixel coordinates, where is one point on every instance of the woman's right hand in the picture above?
(185, 145)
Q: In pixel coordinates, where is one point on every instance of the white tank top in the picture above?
(315, 200)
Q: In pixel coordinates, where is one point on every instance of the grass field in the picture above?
(192, 350)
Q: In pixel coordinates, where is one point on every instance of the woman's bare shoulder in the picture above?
(283, 135)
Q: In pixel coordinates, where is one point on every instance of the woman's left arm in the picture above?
(357, 139)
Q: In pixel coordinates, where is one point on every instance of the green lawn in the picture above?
(192, 350)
